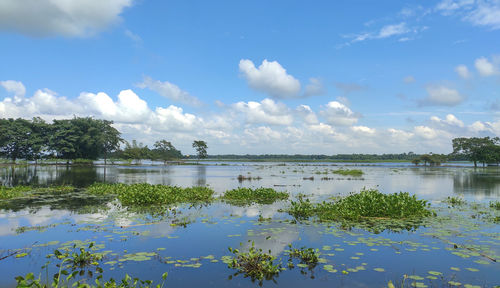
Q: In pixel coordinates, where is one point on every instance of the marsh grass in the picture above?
(495, 205)
(260, 195)
(348, 172)
(255, 263)
(367, 204)
(147, 194)
(24, 191)
(13, 192)
(455, 201)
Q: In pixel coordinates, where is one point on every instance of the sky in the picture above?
(259, 77)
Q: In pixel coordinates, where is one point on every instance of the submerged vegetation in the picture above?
(259, 195)
(368, 203)
(148, 194)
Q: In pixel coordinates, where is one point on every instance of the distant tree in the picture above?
(426, 158)
(201, 148)
(164, 150)
(136, 151)
(109, 139)
(416, 161)
(15, 138)
(476, 149)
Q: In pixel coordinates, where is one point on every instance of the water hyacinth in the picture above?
(259, 195)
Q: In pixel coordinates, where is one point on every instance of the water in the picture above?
(189, 242)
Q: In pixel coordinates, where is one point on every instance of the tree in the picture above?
(164, 150)
(416, 161)
(476, 149)
(109, 139)
(201, 148)
(15, 138)
(136, 151)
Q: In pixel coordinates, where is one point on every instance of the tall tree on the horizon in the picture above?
(201, 148)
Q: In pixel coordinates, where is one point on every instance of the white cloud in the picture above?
(363, 129)
(270, 78)
(134, 37)
(485, 67)
(463, 71)
(307, 114)
(391, 30)
(425, 132)
(15, 87)
(450, 120)
(480, 13)
(169, 91)
(337, 113)
(266, 112)
(440, 95)
(315, 87)
(487, 13)
(60, 17)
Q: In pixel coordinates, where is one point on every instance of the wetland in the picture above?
(274, 224)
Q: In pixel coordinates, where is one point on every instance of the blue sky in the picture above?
(259, 76)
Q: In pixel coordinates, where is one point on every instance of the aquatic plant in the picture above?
(455, 201)
(259, 195)
(255, 263)
(348, 172)
(147, 194)
(495, 205)
(307, 256)
(13, 192)
(368, 203)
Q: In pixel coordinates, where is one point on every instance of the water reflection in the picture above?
(480, 183)
(201, 176)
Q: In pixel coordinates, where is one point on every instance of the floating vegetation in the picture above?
(455, 201)
(307, 256)
(255, 263)
(259, 195)
(148, 194)
(348, 172)
(242, 178)
(495, 205)
(13, 192)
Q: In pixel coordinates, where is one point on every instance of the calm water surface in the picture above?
(145, 245)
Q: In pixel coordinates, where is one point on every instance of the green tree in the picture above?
(15, 138)
(164, 150)
(109, 139)
(476, 149)
(201, 148)
(136, 151)
(416, 161)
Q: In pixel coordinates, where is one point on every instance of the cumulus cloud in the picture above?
(363, 129)
(270, 78)
(450, 120)
(425, 132)
(169, 91)
(439, 95)
(485, 67)
(78, 18)
(463, 71)
(15, 87)
(307, 114)
(338, 114)
(265, 112)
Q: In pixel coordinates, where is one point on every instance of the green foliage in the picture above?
(432, 159)
(455, 201)
(13, 192)
(348, 172)
(308, 256)
(366, 204)
(164, 150)
(259, 195)
(22, 139)
(255, 263)
(147, 194)
(485, 150)
(201, 148)
(136, 151)
(495, 205)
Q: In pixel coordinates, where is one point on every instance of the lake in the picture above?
(458, 247)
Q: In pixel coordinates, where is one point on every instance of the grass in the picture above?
(348, 172)
(368, 203)
(255, 263)
(259, 195)
(147, 194)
